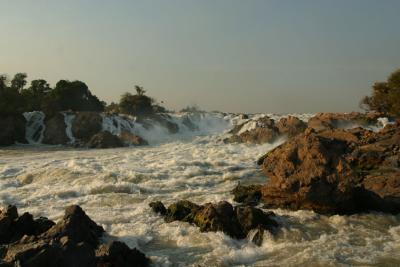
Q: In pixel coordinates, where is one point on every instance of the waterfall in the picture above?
(34, 126)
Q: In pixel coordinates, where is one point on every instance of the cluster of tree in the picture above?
(137, 104)
(385, 96)
(16, 97)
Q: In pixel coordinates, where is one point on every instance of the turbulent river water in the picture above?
(115, 186)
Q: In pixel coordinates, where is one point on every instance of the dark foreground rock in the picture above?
(335, 171)
(74, 241)
(236, 222)
(12, 130)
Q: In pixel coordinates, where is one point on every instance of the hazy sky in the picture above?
(230, 55)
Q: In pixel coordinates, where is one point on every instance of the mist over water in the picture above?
(115, 186)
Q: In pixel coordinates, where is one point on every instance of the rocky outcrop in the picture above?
(260, 131)
(12, 130)
(55, 133)
(329, 121)
(86, 125)
(236, 222)
(335, 171)
(291, 126)
(73, 241)
(266, 130)
(104, 140)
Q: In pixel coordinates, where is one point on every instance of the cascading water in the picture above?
(35, 126)
(68, 119)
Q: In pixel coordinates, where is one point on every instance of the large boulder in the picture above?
(12, 130)
(236, 222)
(86, 125)
(75, 241)
(335, 171)
(55, 131)
(105, 140)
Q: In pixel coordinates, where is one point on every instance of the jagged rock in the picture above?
(119, 254)
(335, 171)
(7, 218)
(72, 242)
(77, 226)
(132, 139)
(291, 126)
(247, 194)
(236, 222)
(86, 125)
(218, 217)
(104, 140)
(55, 133)
(12, 130)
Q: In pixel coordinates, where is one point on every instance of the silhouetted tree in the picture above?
(385, 96)
(139, 90)
(19, 81)
(75, 96)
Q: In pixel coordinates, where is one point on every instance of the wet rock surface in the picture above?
(236, 222)
(335, 171)
(74, 241)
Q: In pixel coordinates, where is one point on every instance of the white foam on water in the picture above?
(115, 186)
(68, 119)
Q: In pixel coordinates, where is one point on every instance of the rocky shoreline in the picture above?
(73, 241)
(334, 164)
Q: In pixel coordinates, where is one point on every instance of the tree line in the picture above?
(16, 97)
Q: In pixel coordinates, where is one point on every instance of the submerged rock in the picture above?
(335, 171)
(72, 242)
(222, 216)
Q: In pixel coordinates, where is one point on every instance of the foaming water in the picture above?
(115, 186)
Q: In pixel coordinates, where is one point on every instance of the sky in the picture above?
(279, 56)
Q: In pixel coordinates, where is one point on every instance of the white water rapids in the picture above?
(115, 186)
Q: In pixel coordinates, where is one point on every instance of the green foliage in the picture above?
(138, 105)
(16, 99)
(385, 96)
(75, 96)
